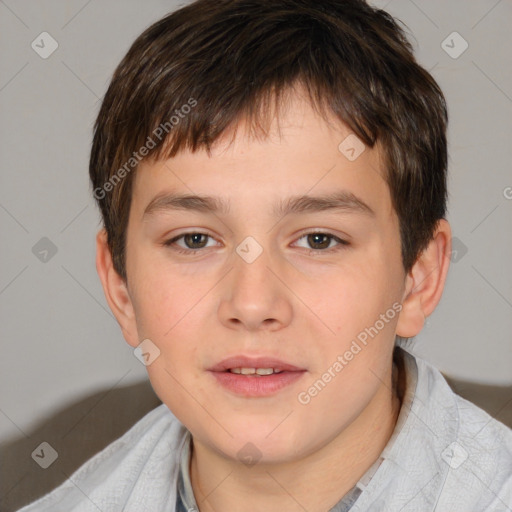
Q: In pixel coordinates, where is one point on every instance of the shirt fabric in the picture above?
(445, 455)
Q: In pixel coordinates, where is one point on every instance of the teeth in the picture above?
(254, 371)
(265, 371)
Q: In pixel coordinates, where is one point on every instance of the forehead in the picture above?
(301, 152)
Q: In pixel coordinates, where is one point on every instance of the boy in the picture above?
(272, 181)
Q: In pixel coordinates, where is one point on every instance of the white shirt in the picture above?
(445, 455)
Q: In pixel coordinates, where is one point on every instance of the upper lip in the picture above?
(254, 362)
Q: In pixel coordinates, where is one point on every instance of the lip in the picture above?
(252, 385)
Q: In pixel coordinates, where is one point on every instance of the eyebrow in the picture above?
(342, 200)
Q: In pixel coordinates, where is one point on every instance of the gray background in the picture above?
(59, 340)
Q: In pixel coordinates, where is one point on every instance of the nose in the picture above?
(254, 296)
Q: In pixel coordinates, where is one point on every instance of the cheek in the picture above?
(352, 297)
(161, 299)
(362, 312)
(176, 376)
(168, 311)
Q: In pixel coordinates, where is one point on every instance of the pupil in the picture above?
(313, 239)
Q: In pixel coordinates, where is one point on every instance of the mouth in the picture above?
(256, 372)
(255, 377)
(244, 365)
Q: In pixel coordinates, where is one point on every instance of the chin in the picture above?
(253, 445)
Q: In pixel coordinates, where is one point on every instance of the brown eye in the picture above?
(319, 240)
(193, 240)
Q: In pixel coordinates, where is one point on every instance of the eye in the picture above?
(192, 241)
(321, 242)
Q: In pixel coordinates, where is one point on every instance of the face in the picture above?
(290, 284)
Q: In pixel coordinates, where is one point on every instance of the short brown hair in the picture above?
(227, 59)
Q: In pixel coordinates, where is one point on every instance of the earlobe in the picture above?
(115, 289)
(425, 283)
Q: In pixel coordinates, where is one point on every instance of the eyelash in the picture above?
(189, 252)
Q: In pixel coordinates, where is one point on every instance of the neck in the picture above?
(314, 483)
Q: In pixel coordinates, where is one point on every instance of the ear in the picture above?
(425, 282)
(116, 291)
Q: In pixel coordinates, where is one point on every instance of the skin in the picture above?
(302, 307)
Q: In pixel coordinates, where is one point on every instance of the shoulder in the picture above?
(472, 426)
(475, 456)
(144, 457)
(481, 457)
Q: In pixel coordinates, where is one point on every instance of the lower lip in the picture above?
(252, 386)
